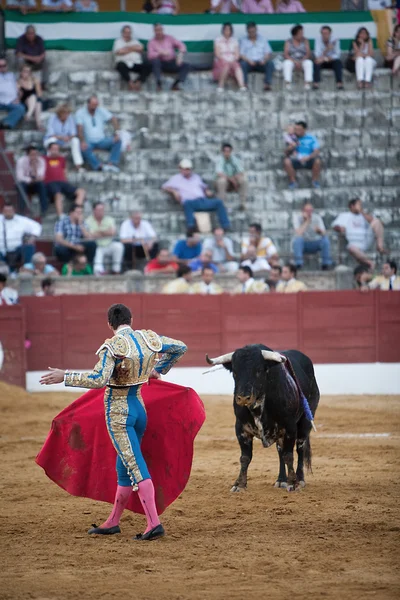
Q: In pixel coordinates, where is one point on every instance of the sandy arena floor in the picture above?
(337, 538)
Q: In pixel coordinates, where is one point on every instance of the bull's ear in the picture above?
(228, 366)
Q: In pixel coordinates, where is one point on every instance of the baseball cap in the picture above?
(186, 163)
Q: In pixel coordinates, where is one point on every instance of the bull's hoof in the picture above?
(237, 488)
(280, 484)
(301, 483)
(293, 487)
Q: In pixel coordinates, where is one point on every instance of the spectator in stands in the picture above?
(259, 7)
(30, 172)
(30, 94)
(204, 260)
(352, 5)
(274, 277)
(163, 263)
(61, 128)
(360, 230)
(389, 280)
(166, 55)
(8, 296)
(9, 98)
(327, 56)
(48, 287)
(247, 283)
(223, 254)
(223, 7)
(207, 284)
(305, 156)
(361, 58)
(310, 236)
(77, 267)
(17, 237)
(226, 59)
(392, 58)
(128, 55)
(187, 249)
(167, 7)
(289, 6)
(256, 55)
(289, 284)
(265, 246)
(91, 120)
(180, 285)
(71, 237)
(39, 266)
(24, 6)
(30, 51)
(256, 263)
(187, 188)
(230, 176)
(297, 55)
(87, 6)
(57, 185)
(57, 5)
(139, 239)
(361, 277)
(102, 228)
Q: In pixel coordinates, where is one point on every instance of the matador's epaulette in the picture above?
(151, 339)
(117, 345)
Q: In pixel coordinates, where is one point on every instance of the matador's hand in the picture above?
(154, 375)
(56, 376)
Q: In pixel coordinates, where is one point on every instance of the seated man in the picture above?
(91, 120)
(56, 182)
(77, 267)
(39, 266)
(207, 284)
(57, 5)
(305, 156)
(362, 276)
(310, 237)
(389, 280)
(162, 52)
(256, 263)
(139, 239)
(265, 246)
(327, 56)
(256, 55)
(48, 287)
(189, 189)
(187, 249)
(289, 283)
(274, 277)
(230, 176)
(247, 283)
(30, 51)
(102, 228)
(30, 171)
(163, 263)
(17, 237)
(23, 6)
(360, 230)
(222, 251)
(8, 296)
(180, 285)
(9, 98)
(204, 260)
(71, 237)
(128, 55)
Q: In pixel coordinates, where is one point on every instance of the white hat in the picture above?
(186, 163)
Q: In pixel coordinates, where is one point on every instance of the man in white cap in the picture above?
(189, 189)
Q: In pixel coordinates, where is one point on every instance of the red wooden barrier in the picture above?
(12, 338)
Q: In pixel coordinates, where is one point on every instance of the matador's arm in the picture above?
(171, 351)
(97, 378)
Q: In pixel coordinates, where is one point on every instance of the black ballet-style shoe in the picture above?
(104, 530)
(153, 534)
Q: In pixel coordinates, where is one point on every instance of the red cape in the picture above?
(79, 457)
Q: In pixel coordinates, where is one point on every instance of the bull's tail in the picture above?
(308, 454)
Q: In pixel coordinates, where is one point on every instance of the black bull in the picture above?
(268, 406)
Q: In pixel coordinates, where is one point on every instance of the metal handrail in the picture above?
(26, 201)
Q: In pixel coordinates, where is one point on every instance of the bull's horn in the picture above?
(219, 360)
(268, 355)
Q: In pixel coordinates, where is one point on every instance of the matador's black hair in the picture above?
(119, 314)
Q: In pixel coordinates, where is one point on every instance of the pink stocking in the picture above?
(147, 498)
(121, 500)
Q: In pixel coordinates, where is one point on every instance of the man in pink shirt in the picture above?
(257, 7)
(166, 55)
(189, 189)
(290, 6)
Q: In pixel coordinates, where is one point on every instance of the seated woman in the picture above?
(297, 55)
(392, 58)
(61, 128)
(30, 94)
(226, 59)
(361, 59)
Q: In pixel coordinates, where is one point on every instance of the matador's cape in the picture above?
(79, 457)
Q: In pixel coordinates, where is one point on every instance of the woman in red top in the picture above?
(56, 182)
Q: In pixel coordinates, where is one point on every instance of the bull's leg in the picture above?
(246, 446)
(303, 449)
(300, 462)
(281, 482)
(288, 447)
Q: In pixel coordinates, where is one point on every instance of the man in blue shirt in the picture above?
(187, 249)
(302, 154)
(255, 55)
(204, 260)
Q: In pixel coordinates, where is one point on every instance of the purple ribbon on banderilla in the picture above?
(304, 401)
